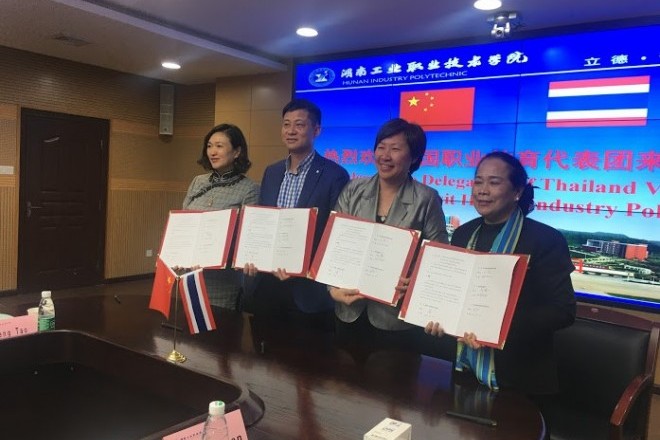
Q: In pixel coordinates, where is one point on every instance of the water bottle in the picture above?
(46, 312)
(215, 427)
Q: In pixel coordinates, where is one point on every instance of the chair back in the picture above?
(600, 354)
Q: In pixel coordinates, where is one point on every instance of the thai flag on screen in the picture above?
(599, 102)
(196, 302)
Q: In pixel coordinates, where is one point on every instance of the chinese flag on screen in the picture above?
(439, 110)
(161, 292)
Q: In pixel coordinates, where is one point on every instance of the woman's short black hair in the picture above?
(415, 138)
(235, 135)
(518, 178)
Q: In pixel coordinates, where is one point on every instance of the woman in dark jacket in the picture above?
(503, 198)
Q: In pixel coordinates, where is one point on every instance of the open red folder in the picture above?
(198, 238)
(465, 291)
(355, 253)
(276, 238)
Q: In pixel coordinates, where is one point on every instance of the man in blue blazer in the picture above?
(304, 179)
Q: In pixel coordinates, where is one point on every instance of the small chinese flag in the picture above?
(439, 110)
(161, 292)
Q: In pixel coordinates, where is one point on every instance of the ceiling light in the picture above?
(170, 65)
(307, 32)
(487, 5)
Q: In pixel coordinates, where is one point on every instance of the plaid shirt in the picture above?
(292, 183)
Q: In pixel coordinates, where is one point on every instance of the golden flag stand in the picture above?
(175, 356)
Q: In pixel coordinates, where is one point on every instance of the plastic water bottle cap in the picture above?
(45, 294)
(217, 408)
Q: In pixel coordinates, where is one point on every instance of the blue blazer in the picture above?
(323, 183)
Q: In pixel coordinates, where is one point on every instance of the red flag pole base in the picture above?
(176, 357)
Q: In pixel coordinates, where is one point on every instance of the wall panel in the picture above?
(8, 238)
(135, 224)
(8, 196)
(255, 104)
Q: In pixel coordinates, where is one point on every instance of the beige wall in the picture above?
(148, 174)
(255, 103)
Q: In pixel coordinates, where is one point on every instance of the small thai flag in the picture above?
(601, 102)
(196, 302)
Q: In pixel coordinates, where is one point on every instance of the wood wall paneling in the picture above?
(255, 103)
(8, 234)
(148, 174)
(8, 196)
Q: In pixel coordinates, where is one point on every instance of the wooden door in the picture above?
(63, 180)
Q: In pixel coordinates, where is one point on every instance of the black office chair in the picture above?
(606, 364)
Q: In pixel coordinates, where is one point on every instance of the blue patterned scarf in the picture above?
(482, 361)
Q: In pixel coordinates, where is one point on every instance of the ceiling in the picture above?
(216, 38)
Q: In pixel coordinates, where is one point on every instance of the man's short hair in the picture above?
(313, 110)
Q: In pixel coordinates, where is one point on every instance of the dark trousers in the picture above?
(362, 332)
(271, 300)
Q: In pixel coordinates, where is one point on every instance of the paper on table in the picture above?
(17, 326)
(198, 238)
(235, 426)
(363, 255)
(275, 238)
(462, 290)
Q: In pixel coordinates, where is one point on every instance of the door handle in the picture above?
(30, 207)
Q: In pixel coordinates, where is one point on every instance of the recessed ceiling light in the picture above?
(170, 65)
(307, 32)
(487, 5)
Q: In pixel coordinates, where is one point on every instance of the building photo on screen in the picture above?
(580, 111)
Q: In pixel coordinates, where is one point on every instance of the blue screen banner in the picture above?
(581, 112)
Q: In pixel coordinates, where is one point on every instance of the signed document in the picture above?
(465, 291)
(359, 254)
(276, 238)
(198, 238)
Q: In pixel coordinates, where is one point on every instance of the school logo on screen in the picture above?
(321, 77)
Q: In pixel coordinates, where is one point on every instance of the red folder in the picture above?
(517, 279)
(323, 245)
(223, 254)
(308, 236)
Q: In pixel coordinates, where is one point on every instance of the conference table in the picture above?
(293, 383)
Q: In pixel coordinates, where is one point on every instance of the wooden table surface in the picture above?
(312, 387)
